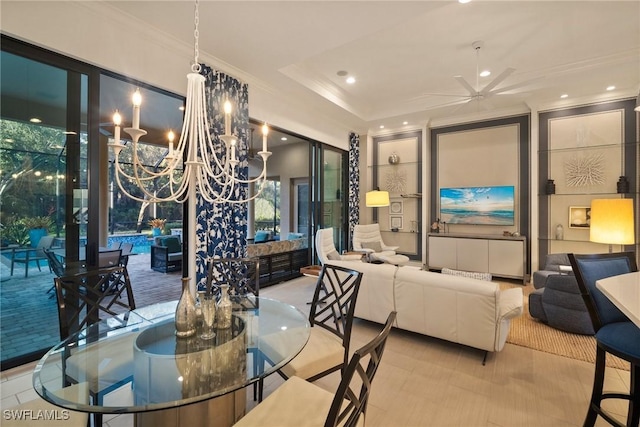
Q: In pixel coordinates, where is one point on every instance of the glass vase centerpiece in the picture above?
(186, 316)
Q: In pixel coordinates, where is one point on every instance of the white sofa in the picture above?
(459, 309)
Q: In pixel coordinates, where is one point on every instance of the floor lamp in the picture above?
(612, 222)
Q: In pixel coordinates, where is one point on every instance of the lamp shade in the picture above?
(612, 221)
(377, 199)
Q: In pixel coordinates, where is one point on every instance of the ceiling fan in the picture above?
(478, 93)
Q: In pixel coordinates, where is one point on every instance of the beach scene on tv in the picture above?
(477, 205)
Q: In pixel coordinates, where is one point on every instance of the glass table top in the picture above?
(136, 363)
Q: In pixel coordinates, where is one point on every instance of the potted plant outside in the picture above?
(157, 224)
(38, 227)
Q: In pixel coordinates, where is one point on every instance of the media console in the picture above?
(502, 256)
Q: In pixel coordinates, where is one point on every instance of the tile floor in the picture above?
(428, 382)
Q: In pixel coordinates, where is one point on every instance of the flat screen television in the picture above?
(492, 205)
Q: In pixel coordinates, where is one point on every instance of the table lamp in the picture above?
(377, 198)
(612, 222)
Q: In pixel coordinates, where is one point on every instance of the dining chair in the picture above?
(243, 277)
(331, 320)
(241, 274)
(298, 403)
(615, 334)
(56, 265)
(84, 299)
(126, 250)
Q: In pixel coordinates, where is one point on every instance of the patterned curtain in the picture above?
(221, 228)
(354, 182)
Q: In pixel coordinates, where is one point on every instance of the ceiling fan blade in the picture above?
(425, 95)
(467, 86)
(460, 106)
(516, 85)
(506, 73)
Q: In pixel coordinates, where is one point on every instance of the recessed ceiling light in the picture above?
(284, 138)
(351, 80)
(485, 73)
(35, 120)
(611, 87)
(564, 95)
(342, 73)
(464, 1)
(381, 126)
(405, 122)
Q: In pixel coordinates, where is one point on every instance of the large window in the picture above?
(267, 208)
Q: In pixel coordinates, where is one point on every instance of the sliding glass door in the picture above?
(43, 189)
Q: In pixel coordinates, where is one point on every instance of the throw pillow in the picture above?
(376, 246)
(334, 256)
(472, 274)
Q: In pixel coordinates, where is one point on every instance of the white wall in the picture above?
(92, 32)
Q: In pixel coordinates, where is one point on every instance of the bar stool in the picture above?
(615, 333)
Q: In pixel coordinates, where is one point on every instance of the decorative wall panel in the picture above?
(354, 182)
(221, 229)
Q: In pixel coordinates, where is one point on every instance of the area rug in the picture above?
(528, 332)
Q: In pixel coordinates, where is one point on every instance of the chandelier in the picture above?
(198, 165)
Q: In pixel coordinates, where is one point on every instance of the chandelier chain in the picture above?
(196, 35)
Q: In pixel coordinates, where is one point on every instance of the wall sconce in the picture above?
(377, 198)
(622, 186)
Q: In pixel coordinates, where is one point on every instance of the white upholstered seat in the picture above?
(367, 239)
(326, 249)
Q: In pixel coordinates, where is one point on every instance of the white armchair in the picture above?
(326, 249)
(367, 239)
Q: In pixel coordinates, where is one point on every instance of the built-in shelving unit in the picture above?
(584, 151)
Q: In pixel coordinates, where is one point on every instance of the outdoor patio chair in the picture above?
(28, 255)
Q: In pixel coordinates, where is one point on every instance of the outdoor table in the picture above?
(159, 373)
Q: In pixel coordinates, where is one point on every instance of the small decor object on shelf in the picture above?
(435, 226)
(551, 187)
(559, 232)
(394, 159)
(224, 308)
(208, 305)
(185, 318)
(622, 186)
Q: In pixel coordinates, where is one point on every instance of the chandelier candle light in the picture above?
(204, 174)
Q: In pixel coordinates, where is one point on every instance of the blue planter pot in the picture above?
(35, 234)
(156, 232)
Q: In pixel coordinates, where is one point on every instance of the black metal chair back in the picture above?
(350, 401)
(334, 302)
(241, 274)
(87, 297)
(54, 262)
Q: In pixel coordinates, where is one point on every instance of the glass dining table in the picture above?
(139, 366)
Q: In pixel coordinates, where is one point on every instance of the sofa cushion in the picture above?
(261, 236)
(334, 255)
(375, 246)
(172, 243)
